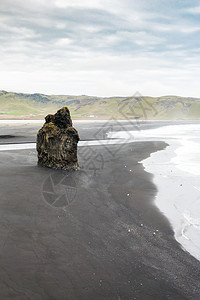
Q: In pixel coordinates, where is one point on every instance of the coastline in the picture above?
(111, 242)
(178, 194)
(177, 176)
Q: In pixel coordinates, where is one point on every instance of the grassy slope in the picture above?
(14, 105)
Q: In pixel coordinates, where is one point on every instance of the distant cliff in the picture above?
(18, 105)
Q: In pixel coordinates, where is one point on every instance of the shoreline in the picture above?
(180, 208)
(177, 176)
(110, 242)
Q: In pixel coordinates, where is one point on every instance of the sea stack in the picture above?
(57, 142)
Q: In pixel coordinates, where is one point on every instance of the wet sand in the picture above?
(90, 234)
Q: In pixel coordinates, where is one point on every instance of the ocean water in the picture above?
(10, 122)
(176, 173)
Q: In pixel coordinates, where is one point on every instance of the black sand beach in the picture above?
(102, 239)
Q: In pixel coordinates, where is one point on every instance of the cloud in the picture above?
(193, 10)
(99, 47)
(79, 3)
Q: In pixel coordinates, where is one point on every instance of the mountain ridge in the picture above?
(37, 105)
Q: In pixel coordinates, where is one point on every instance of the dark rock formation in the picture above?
(57, 142)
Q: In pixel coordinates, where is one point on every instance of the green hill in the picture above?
(36, 106)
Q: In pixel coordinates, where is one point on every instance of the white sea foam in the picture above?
(165, 132)
(6, 147)
(188, 156)
(178, 195)
(177, 175)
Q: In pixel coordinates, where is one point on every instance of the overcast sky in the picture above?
(100, 47)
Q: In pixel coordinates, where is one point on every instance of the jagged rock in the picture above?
(57, 142)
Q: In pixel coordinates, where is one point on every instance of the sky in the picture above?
(100, 47)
